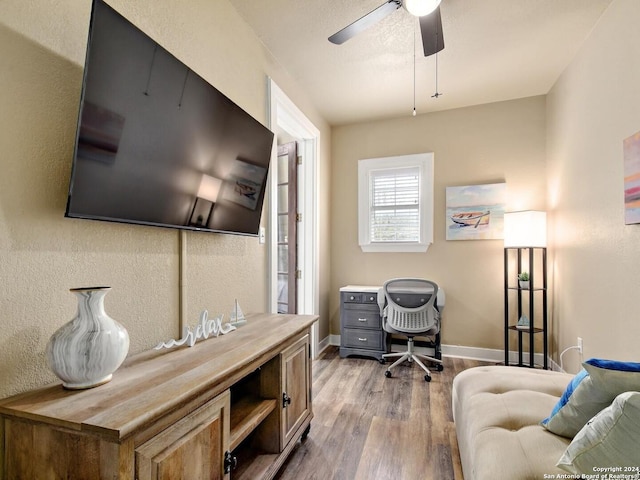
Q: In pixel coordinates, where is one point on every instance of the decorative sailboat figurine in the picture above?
(523, 323)
(237, 316)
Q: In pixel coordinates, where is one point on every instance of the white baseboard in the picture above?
(472, 353)
(324, 343)
(488, 354)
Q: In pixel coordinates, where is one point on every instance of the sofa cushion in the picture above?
(609, 440)
(497, 411)
(593, 389)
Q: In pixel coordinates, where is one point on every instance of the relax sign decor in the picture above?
(204, 329)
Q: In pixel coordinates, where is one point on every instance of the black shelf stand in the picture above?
(528, 253)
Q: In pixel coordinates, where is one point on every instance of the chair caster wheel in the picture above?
(440, 367)
(387, 374)
(427, 378)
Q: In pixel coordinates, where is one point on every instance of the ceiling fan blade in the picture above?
(364, 22)
(431, 30)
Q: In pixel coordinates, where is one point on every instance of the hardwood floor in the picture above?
(369, 427)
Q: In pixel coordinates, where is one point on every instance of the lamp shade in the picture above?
(525, 229)
(420, 8)
(209, 188)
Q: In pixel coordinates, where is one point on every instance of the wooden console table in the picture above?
(232, 406)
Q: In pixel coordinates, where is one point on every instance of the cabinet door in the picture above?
(296, 380)
(193, 448)
(40, 451)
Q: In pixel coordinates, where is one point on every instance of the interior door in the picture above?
(287, 227)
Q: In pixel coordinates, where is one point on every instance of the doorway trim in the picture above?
(284, 114)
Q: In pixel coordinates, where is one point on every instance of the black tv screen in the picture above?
(157, 144)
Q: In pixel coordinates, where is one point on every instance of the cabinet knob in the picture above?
(371, 299)
(352, 297)
(286, 400)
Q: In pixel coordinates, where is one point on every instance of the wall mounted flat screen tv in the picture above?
(157, 144)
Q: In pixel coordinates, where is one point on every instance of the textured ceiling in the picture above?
(494, 50)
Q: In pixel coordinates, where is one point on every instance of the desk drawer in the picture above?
(361, 318)
(359, 297)
(362, 338)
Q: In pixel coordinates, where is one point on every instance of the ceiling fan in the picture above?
(428, 12)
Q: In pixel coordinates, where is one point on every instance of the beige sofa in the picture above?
(497, 412)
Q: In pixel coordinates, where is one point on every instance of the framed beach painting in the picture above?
(632, 179)
(476, 212)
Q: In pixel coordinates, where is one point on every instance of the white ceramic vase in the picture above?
(85, 352)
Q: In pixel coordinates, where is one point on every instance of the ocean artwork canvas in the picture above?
(476, 212)
(631, 146)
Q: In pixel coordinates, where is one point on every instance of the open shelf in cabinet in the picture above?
(256, 461)
(246, 415)
(254, 417)
(252, 462)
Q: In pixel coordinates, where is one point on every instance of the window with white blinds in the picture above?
(395, 203)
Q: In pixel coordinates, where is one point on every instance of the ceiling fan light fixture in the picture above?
(420, 8)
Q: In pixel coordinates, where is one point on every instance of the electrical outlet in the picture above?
(580, 345)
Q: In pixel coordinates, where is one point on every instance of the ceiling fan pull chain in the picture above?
(437, 94)
(414, 69)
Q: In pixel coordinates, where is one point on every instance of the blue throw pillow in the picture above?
(614, 365)
(564, 399)
(591, 390)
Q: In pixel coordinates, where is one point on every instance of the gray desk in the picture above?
(361, 330)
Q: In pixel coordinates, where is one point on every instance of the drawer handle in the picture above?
(362, 319)
(371, 299)
(352, 297)
(362, 339)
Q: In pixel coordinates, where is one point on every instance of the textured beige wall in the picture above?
(484, 144)
(594, 106)
(42, 254)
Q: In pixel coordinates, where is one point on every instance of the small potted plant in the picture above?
(523, 280)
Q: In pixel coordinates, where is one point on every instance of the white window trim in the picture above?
(424, 161)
